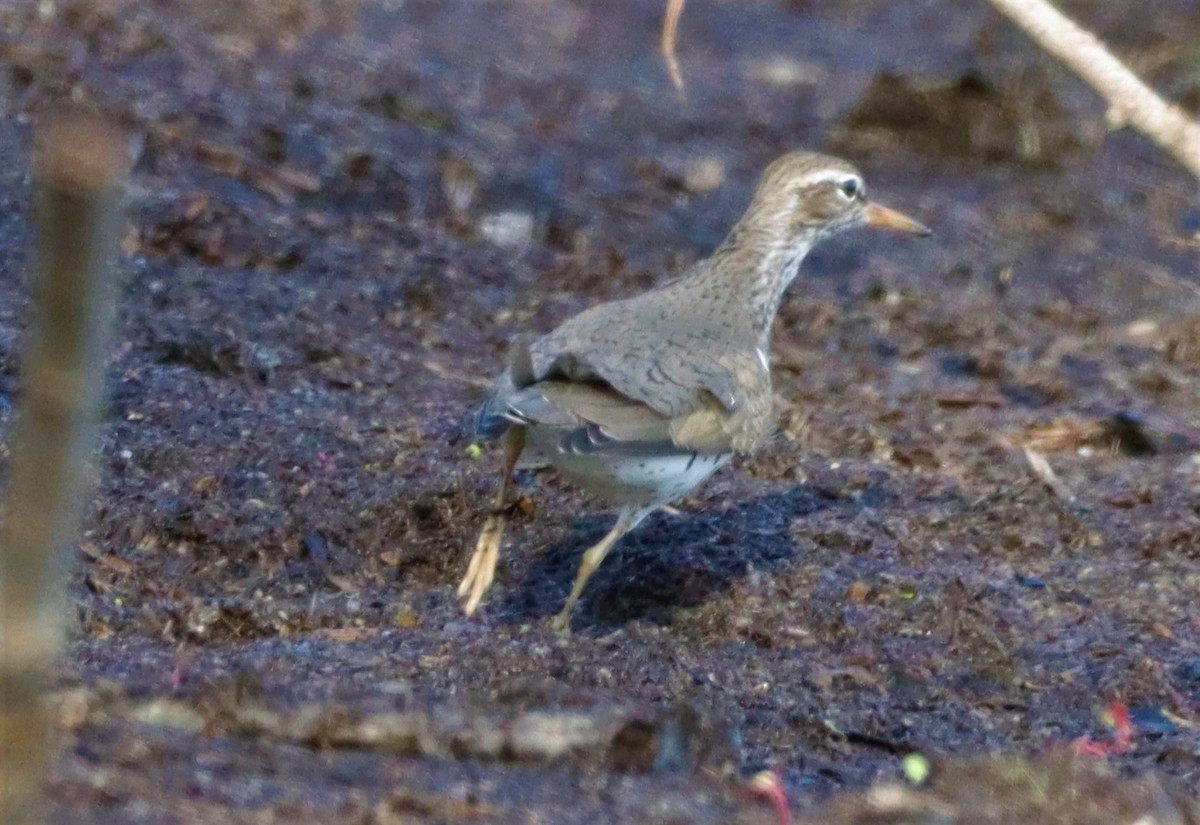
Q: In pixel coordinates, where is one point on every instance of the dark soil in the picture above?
(343, 210)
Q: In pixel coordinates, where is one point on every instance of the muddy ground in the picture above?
(342, 211)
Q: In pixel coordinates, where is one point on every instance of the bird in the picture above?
(640, 400)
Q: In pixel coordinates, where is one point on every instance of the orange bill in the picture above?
(881, 217)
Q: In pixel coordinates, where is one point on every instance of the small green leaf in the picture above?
(916, 768)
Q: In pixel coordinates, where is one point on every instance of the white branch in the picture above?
(1130, 101)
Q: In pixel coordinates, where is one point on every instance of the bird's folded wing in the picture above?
(597, 418)
(674, 378)
(618, 416)
(644, 387)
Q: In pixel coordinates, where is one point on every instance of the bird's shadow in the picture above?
(669, 561)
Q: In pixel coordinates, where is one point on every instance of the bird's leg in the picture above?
(482, 569)
(629, 518)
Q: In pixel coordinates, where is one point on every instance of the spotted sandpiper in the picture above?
(640, 400)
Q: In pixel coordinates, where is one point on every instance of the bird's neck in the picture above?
(759, 269)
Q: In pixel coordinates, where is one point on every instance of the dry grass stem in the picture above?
(670, 35)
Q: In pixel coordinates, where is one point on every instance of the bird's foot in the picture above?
(482, 569)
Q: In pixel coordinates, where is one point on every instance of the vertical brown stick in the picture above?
(79, 162)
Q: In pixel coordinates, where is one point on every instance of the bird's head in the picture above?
(803, 197)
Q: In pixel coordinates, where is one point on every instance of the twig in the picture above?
(1130, 101)
(79, 162)
(669, 35)
(1045, 473)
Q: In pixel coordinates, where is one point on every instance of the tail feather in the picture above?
(495, 415)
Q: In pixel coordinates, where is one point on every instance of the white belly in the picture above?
(641, 480)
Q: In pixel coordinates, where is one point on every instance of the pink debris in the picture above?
(768, 785)
(1121, 742)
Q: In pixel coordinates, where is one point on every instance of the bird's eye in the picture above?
(851, 188)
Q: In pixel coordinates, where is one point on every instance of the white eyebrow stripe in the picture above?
(833, 176)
